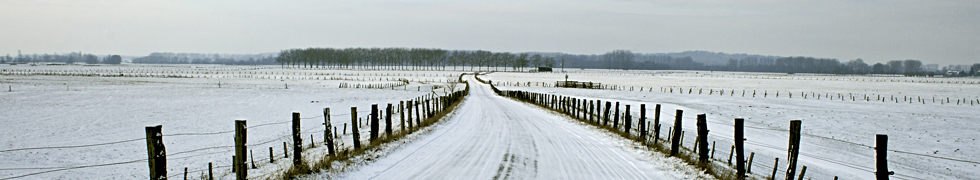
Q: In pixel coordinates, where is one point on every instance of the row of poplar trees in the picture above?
(410, 59)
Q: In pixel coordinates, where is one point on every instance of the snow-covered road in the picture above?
(492, 137)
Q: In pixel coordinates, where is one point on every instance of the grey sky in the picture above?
(944, 32)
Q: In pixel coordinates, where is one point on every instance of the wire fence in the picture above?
(590, 114)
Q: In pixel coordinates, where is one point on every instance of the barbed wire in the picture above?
(75, 167)
(75, 146)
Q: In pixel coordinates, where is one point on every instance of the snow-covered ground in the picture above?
(931, 139)
(44, 116)
(489, 136)
(47, 111)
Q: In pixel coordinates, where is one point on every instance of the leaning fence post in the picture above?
(739, 146)
(327, 136)
(297, 140)
(794, 148)
(157, 152)
(251, 158)
(354, 130)
(775, 166)
(881, 159)
(730, 152)
(748, 168)
(702, 138)
(675, 140)
(802, 172)
(241, 171)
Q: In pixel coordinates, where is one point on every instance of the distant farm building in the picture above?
(544, 69)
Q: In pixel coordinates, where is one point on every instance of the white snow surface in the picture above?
(492, 137)
(837, 135)
(197, 115)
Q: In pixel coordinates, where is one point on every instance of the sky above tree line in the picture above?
(943, 32)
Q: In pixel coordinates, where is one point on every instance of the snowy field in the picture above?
(929, 139)
(87, 122)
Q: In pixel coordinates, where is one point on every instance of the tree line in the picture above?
(197, 58)
(626, 60)
(411, 59)
(68, 58)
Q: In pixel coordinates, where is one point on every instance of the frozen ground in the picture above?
(931, 139)
(491, 137)
(44, 116)
(49, 110)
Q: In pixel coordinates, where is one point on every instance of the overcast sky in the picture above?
(944, 32)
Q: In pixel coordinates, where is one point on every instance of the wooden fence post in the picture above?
(553, 101)
(156, 152)
(802, 172)
(605, 120)
(354, 130)
(675, 140)
(643, 120)
(428, 108)
(241, 171)
(712, 150)
(702, 138)
(627, 121)
(616, 117)
(656, 133)
(881, 159)
(730, 152)
(251, 158)
(401, 113)
(656, 115)
(775, 166)
(297, 141)
(418, 114)
(748, 168)
(739, 146)
(388, 121)
(210, 171)
(575, 108)
(590, 110)
(408, 109)
(794, 148)
(598, 105)
(374, 123)
(327, 136)
(272, 159)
